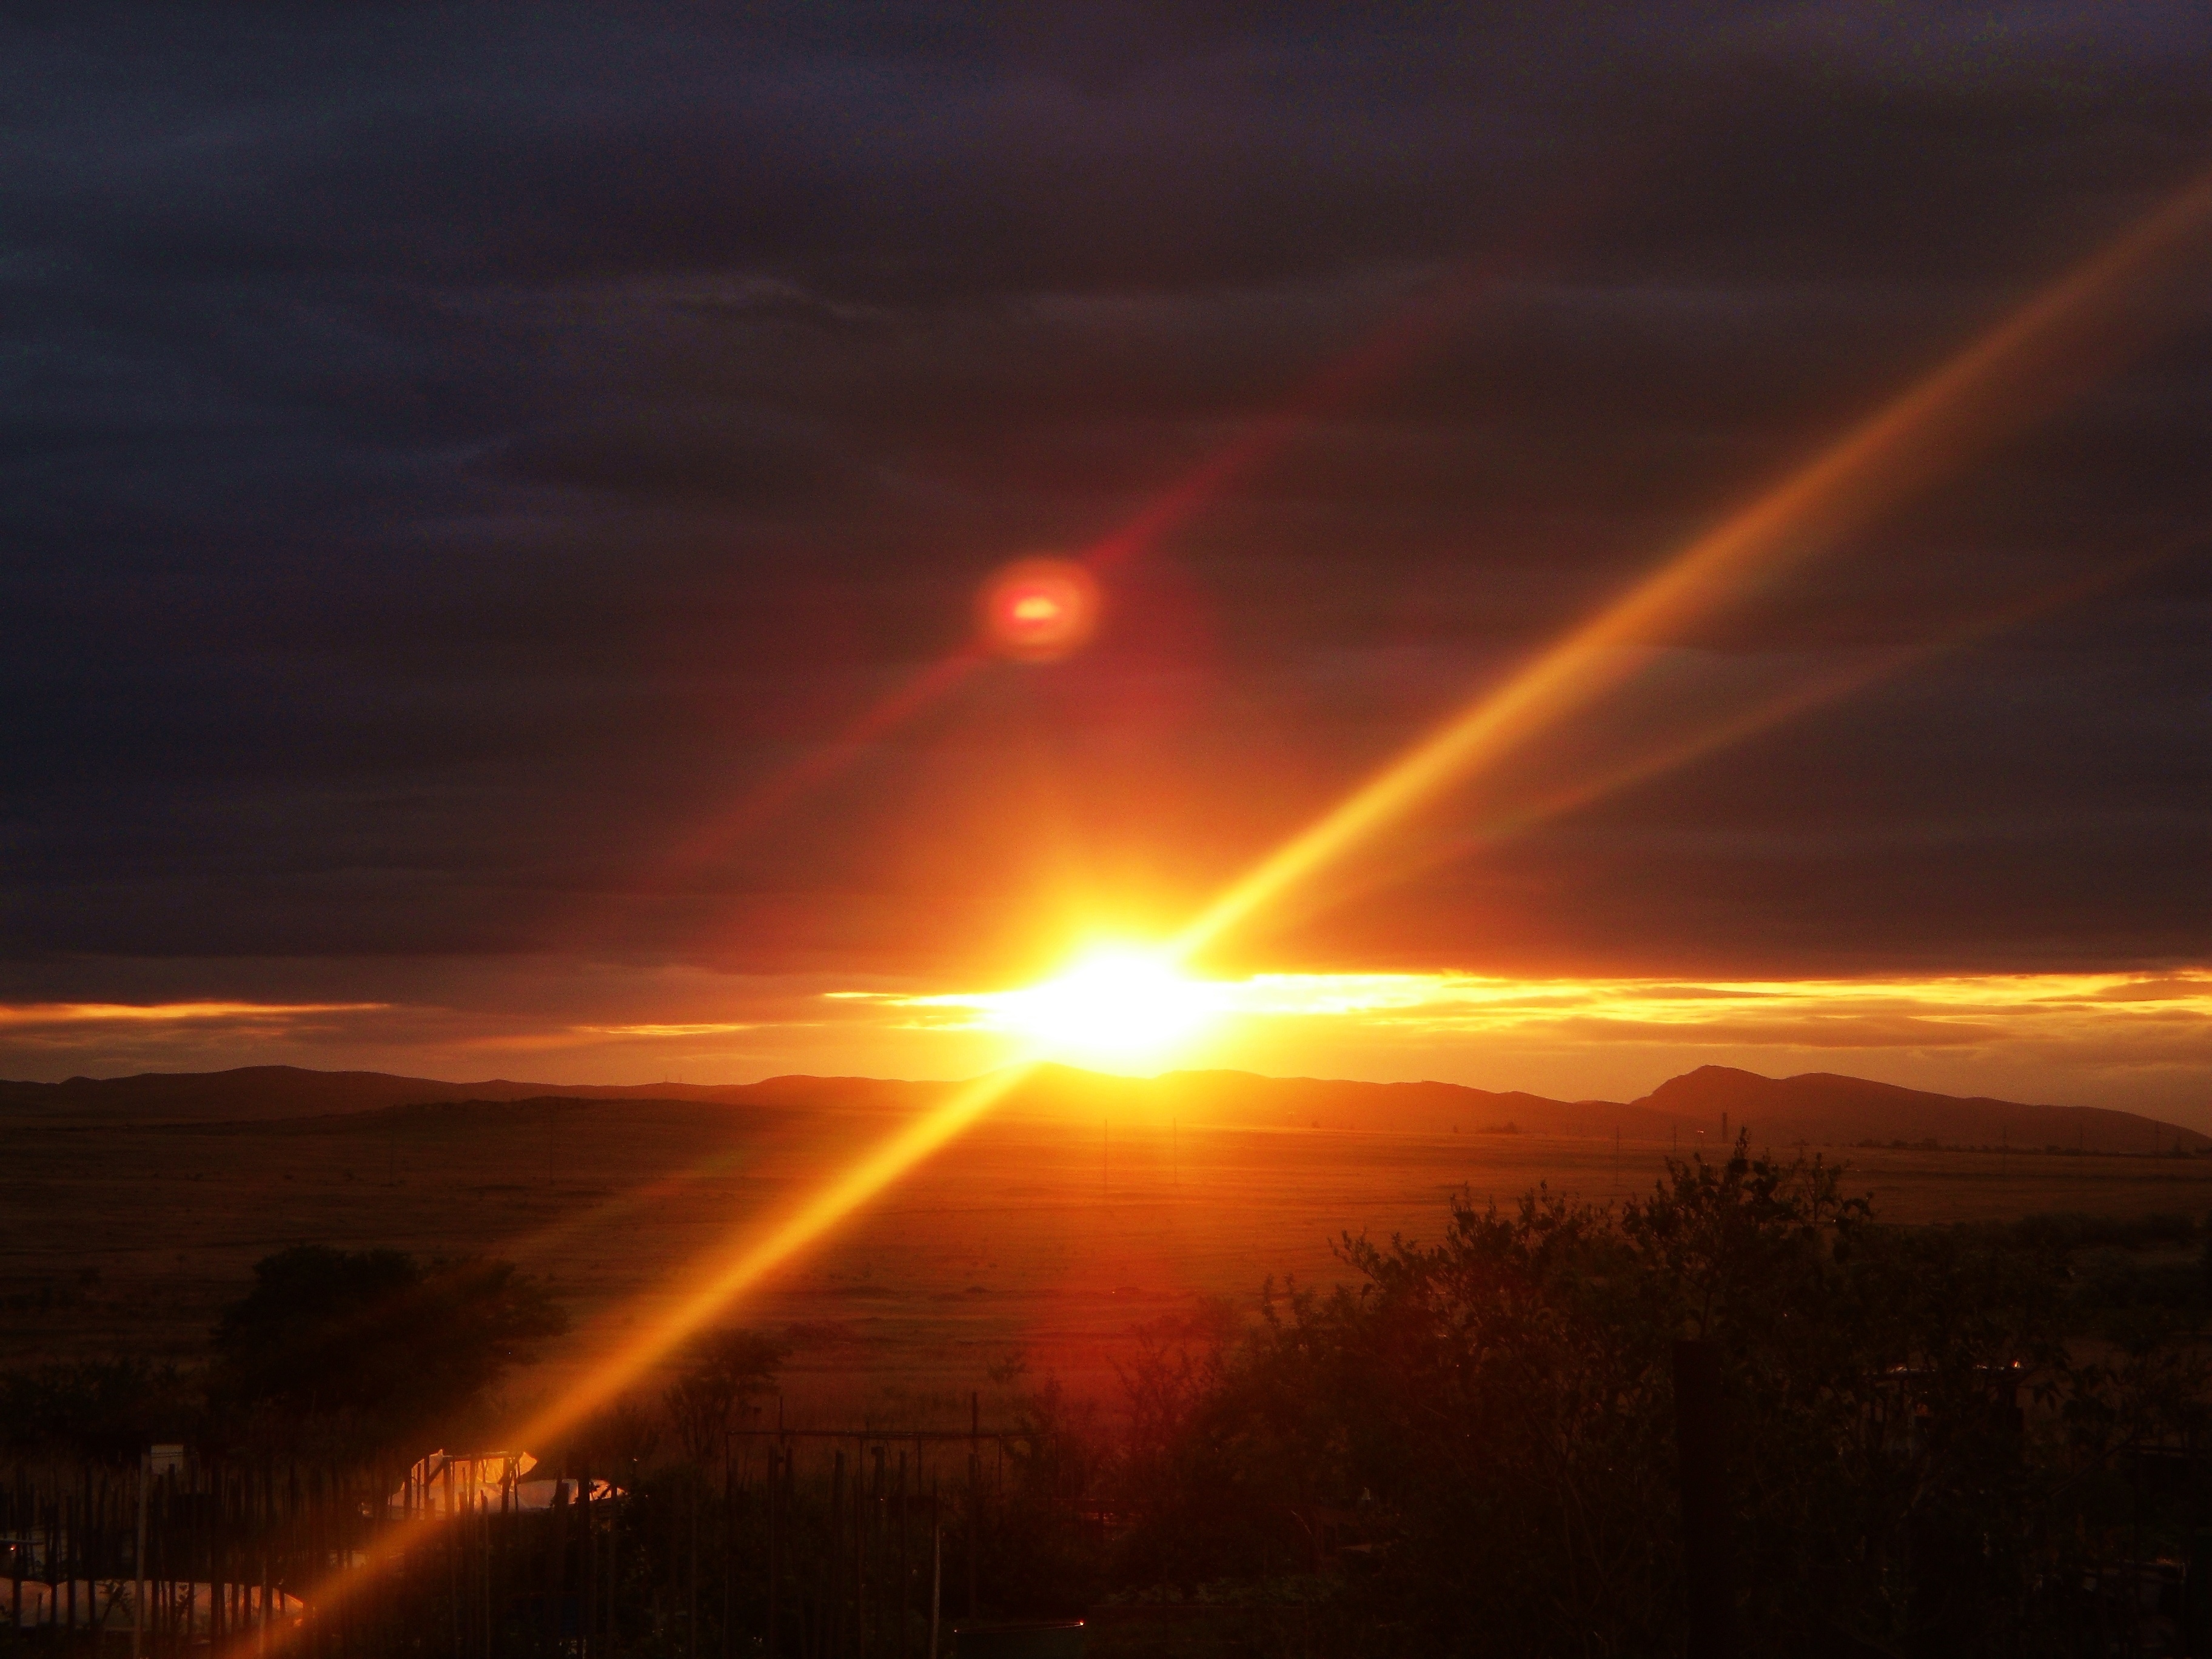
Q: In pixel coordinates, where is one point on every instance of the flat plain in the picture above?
(1033, 1246)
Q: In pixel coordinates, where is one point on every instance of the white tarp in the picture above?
(484, 1480)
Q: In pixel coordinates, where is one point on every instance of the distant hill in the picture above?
(1300, 1103)
(1712, 1102)
(1824, 1106)
(280, 1092)
(1819, 1107)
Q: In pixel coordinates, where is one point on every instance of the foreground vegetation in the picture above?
(1965, 1439)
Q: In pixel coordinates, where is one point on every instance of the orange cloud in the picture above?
(169, 1013)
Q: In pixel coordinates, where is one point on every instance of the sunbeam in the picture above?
(1977, 393)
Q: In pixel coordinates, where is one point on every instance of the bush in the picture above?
(1913, 1431)
(103, 1411)
(375, 1343)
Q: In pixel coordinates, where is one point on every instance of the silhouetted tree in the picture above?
(104, 1410)
(375, 1342)
(718, 1373)
(1918, 1422)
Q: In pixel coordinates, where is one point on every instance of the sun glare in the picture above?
(1116, 1004)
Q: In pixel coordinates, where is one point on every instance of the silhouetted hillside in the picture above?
(1823, 1106)
(1246, 1099)
(1696, 1110)
(277, 1091)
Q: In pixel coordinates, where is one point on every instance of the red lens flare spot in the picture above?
(1039, 610)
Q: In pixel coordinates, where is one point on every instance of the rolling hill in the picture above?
(1819, 1107)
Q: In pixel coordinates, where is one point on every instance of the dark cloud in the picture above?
(446, 458)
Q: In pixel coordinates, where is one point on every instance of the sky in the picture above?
(493, 505)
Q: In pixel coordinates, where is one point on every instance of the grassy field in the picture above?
(1046, 1243)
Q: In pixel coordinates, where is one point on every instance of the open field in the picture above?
(1046, 1240)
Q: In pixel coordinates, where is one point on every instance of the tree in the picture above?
(375, 1342)
(104, 1409)
(718, 1372)
(1906, 1422)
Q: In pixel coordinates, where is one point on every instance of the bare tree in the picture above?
(719, 1372)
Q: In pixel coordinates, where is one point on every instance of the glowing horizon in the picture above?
(2163, 1010)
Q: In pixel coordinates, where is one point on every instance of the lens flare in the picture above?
(1115, 1005)
(1039, 610)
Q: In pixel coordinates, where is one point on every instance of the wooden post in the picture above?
(218, 1560)
(832, 1578)
(903, 1583)
(1701, 1439)
(875, 1515)
(936, 1567)
(974, 1489)
(138, 1562)
(454, 1541)
(858, 1641)
(775, 1542)
(20, 1521)
(484, 1545)
(614, 1565)
(588, 1641)
(556, 1568)
(268, 1579)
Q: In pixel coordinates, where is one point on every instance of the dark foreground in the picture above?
(1983, 1438)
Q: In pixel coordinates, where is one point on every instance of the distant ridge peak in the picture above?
(1829, 1106)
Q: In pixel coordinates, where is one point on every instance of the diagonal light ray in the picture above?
(753, 1251)
(1981, 390)
(1778, 708)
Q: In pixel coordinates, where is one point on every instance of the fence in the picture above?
(802, 1545)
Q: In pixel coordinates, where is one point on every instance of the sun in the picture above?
(1116, 1004)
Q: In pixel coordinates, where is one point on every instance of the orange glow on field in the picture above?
(756, 1250)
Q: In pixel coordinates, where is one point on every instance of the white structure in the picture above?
(447, 1483)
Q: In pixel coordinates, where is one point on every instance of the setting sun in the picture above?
(1116, 1004)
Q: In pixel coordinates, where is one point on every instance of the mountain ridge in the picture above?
(1712, 1102)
